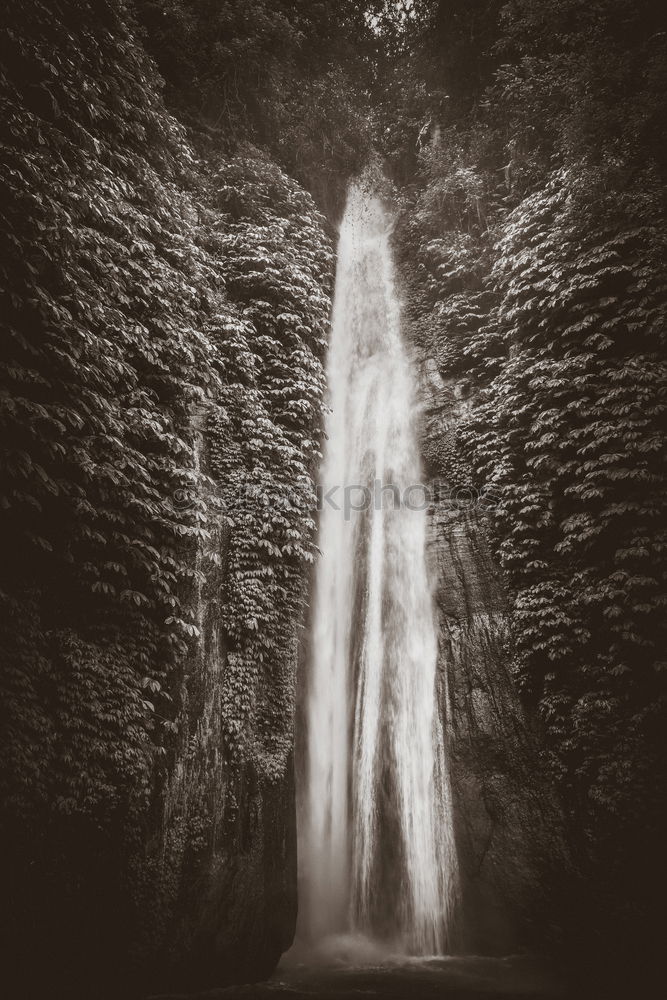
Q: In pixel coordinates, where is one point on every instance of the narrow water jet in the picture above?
(376, 845)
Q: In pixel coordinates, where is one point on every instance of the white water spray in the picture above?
(376, 846)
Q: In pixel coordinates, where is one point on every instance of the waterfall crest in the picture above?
(376, 845)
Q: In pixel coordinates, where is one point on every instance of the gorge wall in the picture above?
(165, 312)
(509, 825)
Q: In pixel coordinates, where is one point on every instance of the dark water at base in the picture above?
(423, 979)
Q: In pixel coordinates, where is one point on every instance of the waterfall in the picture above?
(376, 847)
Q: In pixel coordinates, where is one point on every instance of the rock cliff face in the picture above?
(223, 851)
(153, 568)
(508, 824)
(221, 860)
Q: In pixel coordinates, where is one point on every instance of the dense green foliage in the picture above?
(145, 290)
(538, 231)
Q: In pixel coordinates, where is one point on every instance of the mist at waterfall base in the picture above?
(377, 861)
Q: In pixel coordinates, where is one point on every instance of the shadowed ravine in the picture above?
(333, 498)
(425, 827)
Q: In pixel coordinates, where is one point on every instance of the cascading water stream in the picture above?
(376, 847)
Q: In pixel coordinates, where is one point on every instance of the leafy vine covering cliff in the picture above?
(534, 246)
(146, 290)
(265, 440)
